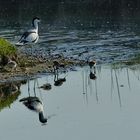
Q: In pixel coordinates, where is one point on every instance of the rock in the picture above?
(46, 86)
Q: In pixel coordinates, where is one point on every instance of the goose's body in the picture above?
(34, 104)
(31, 36)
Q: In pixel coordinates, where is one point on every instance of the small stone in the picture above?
(46, 86)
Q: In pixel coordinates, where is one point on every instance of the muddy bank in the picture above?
(30, 66)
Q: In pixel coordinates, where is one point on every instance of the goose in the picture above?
(34, 104)
(31, 36)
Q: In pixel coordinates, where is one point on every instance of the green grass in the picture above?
(6, 48)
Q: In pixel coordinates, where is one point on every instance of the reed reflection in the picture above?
(118, 88)
(93, 85)
(88, 77)
(115, 81)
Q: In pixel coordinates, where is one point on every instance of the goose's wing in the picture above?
(29, 36)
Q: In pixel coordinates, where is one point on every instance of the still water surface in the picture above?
(81, 108)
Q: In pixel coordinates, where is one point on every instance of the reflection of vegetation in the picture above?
(8, 94)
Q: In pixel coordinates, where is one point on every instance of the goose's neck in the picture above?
(35, 25)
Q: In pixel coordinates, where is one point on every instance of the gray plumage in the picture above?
(34, 104)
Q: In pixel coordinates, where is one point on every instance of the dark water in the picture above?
(107, 31)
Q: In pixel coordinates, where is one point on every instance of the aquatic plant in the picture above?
(6, 50)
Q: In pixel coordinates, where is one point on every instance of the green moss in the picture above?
(6, 48)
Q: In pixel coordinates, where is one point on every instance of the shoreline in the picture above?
(28, 66)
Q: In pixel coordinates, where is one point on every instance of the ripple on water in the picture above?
(105, 46)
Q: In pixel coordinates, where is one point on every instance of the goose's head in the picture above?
(35, 21)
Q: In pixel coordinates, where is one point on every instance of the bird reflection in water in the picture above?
(89, 79)
(92, 65)
(59, 81)
(35, 104)
(92, 76)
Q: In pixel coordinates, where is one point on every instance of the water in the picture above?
(104, 108)
(107, 35)
(105, 45)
